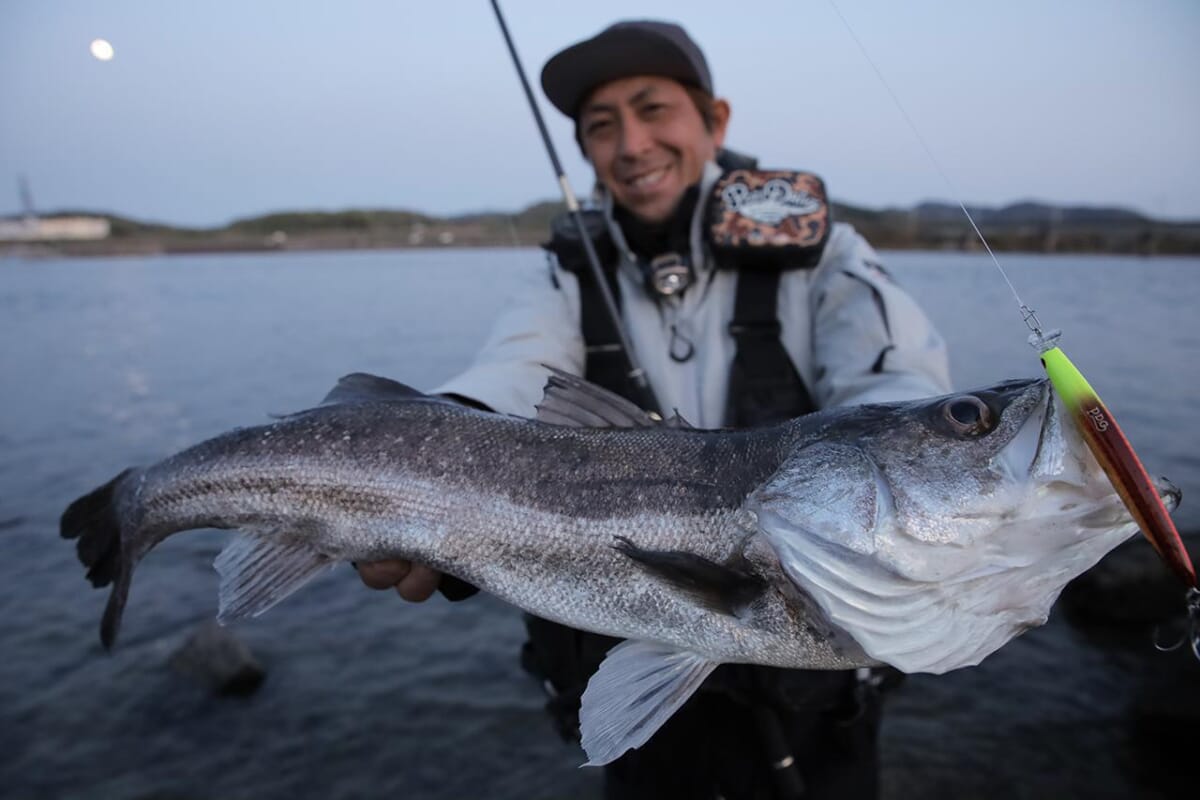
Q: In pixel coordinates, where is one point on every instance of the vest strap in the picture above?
(605, 364)
(764, 386)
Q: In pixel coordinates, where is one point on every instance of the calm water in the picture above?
(112, 362)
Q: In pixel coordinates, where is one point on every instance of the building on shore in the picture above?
(54, 229)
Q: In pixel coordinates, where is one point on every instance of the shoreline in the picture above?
(1019, 228)
(36, 251)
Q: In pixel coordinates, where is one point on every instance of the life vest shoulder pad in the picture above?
(768, 219)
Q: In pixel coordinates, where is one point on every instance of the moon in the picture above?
(102, 50)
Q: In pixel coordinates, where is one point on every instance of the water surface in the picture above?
(111, 362)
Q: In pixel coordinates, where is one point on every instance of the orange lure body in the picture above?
(1119, 461)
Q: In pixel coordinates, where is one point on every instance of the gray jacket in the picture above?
(852, 333)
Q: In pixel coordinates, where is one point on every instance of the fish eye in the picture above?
(967, 415)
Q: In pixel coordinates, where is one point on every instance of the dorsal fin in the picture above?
(361, 387)
(571, 401)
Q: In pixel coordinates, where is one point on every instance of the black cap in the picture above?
(623, 50)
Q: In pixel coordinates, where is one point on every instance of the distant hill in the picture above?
(318, 221)
(1031, 213)
(1025, 226)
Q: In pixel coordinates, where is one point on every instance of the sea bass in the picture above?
(923, 535)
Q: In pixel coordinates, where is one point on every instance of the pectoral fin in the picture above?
(727, 588)
(637, 688)
(257, 571)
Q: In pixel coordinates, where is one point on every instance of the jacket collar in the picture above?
(701, 261)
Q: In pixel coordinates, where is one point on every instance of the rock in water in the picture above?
(217, 658)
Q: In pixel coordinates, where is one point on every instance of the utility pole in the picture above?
(23, 191)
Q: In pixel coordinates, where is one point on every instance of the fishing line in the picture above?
(1028, 316)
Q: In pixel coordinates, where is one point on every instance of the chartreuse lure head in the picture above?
(1116, 456)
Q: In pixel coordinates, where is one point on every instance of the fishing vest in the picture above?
(758, 223)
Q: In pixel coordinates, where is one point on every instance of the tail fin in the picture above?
(95, 521)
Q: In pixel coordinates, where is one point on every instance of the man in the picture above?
(721, 347)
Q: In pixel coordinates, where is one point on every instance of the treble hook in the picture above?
(1191, 634)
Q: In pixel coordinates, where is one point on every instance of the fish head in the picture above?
(1001, 468)
(935, 531)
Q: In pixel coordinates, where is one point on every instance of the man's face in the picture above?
(648, 143)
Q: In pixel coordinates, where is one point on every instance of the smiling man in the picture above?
(745, 305)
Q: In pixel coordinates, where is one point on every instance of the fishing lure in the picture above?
(1108, 444)
(1124, 469)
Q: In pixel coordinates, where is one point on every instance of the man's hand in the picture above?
(415, 582)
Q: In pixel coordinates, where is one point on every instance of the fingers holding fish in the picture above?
(414, 582)
(420, 583)
(383, 574)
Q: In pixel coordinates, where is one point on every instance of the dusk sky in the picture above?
(214, 110)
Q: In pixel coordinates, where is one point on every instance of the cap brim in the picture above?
(570, 76)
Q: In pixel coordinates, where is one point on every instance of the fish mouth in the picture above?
(1051, 420)
(1037, 441)
(1048, 447)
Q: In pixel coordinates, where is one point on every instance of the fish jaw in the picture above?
(930, 577)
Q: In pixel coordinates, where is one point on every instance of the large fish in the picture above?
(923, 535)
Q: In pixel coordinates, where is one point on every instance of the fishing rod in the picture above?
(635, 374)
(1091, 416)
